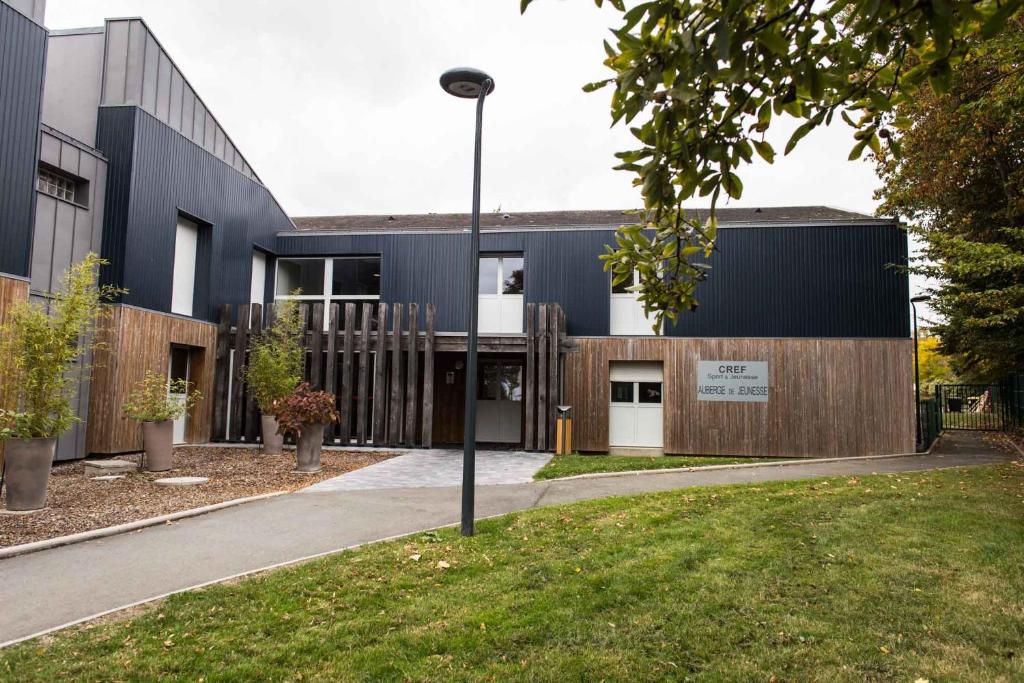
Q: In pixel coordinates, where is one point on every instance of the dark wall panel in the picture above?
(828, 281)
(22, 64)
(155, 173)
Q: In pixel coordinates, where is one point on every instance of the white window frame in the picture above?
(501, 297)
(327, 298)
(636, 329)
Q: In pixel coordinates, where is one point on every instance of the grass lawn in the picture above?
(570, 465)
(900, 577)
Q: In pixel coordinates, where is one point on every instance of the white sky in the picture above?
(336, 104)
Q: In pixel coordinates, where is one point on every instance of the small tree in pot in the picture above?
(39, 344)
(152, 404)
(275, 366)
(305, 413)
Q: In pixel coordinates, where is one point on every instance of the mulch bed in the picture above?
(77, 503)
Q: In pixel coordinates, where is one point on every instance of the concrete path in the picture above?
(437, 468)
(51, 589)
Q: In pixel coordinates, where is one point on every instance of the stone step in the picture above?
(99, 468)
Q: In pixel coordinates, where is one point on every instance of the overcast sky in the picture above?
(336, 104)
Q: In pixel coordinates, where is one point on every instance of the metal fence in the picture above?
(981, 407)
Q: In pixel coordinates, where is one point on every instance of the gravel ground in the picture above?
(77, 503)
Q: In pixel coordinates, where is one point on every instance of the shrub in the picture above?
(276, 358)
(305, 406)
(151, 401)
(39, 342)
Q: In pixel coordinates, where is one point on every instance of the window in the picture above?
(258, 281)
(627, 313)
(622, 392)
(186, 247)
(349, 279)
(501, 275)
(61, 185)
(500, 289)
(623, 287)
(649, 392)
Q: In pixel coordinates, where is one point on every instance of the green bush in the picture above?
(151, 401)
(39, 342)
(277, 358)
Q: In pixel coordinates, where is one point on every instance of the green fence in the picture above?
(931, 423)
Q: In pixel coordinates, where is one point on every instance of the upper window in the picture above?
(356, 277)
(501, 275)
(347, 279)
(60, 185)
(623, 287)
(300, 274)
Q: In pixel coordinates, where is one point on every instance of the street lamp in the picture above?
(917, 369)
(471, 83)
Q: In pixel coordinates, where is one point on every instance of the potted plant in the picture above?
(275, 366)
(152, 404)
(39, 343)
(305, 412)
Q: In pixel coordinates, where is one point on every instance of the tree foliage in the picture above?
(39, 342)
(702, 81)
(155, 399)
(959, 183)
(277, 358)
(936, 367)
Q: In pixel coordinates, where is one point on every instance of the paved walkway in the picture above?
(52, 588)
(438, 468)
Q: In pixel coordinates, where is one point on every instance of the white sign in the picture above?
(732, 380)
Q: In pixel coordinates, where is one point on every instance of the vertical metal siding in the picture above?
(770, 281)
(155, 172)
(22, 65)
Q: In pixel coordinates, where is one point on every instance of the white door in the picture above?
(636, 414)
(179, 369)
(186, 243)
(627, 313)
(499, 408)
(500, 302)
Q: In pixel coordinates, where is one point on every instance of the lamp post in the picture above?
(471, 83)
(917, 371)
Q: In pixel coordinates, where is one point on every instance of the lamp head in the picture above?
(466, 82)
(920, 299)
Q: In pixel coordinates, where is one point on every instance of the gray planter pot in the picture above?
(157, 439)
(273, 443)
(27, 472)
(307, 454)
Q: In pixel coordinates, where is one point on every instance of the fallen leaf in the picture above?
(415, 558)
(441, 564)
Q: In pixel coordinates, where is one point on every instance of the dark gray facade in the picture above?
(827, 280)
(22, 64)
(154, 175)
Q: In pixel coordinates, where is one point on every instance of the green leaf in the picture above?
(764, 150)
(773, 41)
(798, 134)
(858, 150)
(732, 185)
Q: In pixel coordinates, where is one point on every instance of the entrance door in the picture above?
(636, 415)
(179, 370)
(499, 416)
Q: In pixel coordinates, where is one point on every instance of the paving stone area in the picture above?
(436, 468)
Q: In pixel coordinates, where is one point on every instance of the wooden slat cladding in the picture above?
(828, 397)
(409, 405)
(134, 341)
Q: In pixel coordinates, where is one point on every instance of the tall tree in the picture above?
(959, 183)
(703, 80)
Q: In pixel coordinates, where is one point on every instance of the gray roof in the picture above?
(567, 220)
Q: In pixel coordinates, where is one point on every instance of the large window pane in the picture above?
(622, 392)
(488, 276)
(650, 392)
(512, 275)
(621, 287)
(511, 382)
(356, 277)
(304, 274)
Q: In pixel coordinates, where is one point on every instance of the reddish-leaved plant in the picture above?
(304, 406)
